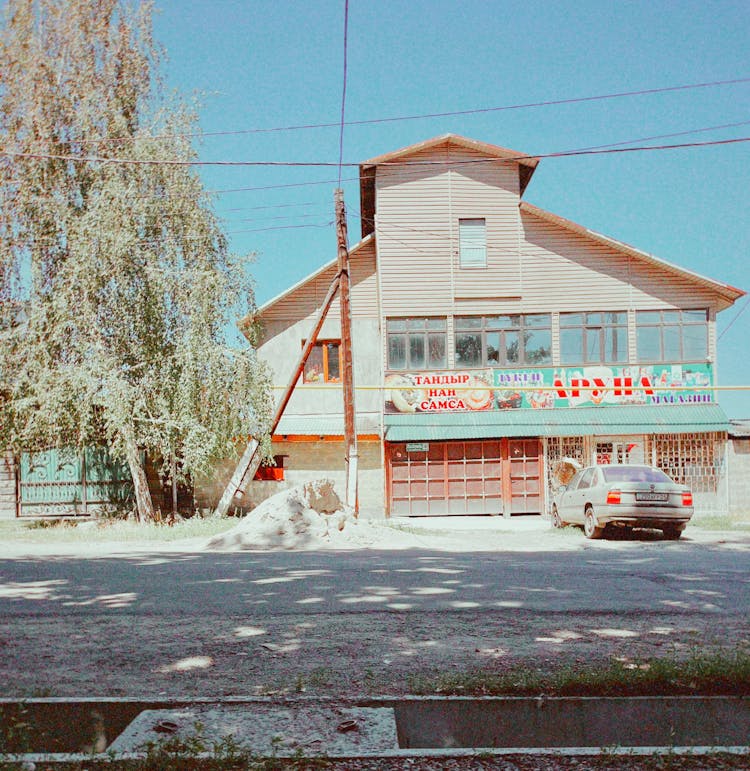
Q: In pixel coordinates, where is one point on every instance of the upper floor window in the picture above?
(417, 343)
(666, 336)
(503, 341)
(323, 365)
(594, 338)
(472, 243)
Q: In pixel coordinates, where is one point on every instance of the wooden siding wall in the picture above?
(417, 213)
(305, 301)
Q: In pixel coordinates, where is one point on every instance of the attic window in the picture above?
(472, 243)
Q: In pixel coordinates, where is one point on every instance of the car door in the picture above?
(581, 495)
(566, 503)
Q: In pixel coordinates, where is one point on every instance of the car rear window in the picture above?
(634, 474)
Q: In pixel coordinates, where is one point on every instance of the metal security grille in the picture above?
(559, 447)
(695, 460)
(61, 482)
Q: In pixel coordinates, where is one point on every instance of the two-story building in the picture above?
(491, 339)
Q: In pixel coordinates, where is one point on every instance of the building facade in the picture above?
(491, 339)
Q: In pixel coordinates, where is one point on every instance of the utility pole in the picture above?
(347, 375)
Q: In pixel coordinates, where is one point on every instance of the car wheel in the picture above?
(672, 532)
(556, 521)
(590, 528)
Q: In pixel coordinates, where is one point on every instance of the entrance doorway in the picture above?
(499, 476)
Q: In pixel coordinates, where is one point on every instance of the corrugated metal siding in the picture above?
(305, 301)
(577, 421)
(565, 271)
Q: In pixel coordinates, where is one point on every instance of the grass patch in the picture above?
(107, 530)
(714, 674)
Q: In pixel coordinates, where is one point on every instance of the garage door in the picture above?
(437, 478)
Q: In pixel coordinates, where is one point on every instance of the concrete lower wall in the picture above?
(738, 472)
(7, 486)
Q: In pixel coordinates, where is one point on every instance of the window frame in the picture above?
(680, 324)
(467, 251)
(323, 344)
(486, 327)
(599, 329)
(426, 332)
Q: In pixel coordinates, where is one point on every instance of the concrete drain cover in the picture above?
(267, 730)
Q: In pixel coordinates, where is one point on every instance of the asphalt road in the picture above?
(249, 622)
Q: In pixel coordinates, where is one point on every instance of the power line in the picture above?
(343, 91)
(737, 315)
(447, 114)
(328, 164)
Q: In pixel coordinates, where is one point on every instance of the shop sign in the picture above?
(417, 447)
(545, 387)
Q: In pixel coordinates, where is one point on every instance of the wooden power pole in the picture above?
(347, 375)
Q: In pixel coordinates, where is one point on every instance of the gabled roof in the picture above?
(727, 291)
(526, 165)
(491, 151)
(244, 322)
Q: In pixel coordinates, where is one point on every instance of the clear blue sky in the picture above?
(269, 63)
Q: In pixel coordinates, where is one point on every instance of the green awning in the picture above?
(568, 421)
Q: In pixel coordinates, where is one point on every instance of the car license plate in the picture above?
(652, 496)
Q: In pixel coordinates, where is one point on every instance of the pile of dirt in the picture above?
(308, 516)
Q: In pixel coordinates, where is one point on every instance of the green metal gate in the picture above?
(62, 482)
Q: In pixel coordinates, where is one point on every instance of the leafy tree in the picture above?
(116, 283)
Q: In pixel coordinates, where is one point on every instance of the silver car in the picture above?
(624, 496)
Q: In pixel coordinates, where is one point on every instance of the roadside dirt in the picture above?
(343, 656)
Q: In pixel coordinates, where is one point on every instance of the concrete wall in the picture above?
(7, 487)
(738, 466)
(306, 461)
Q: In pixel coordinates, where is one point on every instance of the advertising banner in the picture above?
(547, 387)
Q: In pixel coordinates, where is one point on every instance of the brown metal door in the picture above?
(525, 472)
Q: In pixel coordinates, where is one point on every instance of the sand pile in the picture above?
(309, 516)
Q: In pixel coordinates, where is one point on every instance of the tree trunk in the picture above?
(144, 504)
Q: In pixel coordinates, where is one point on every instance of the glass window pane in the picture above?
(416, 351)
(648, 344)
(512, 354)
(468, 322)
(593, 318)
(571, 346)
(672, 348)
(694, 316)
(593, 346)
(621, 317)
(314, 365)
(436, 355)
(695, 342)
(492, 353)
(671, 317)
(472, 243)
(396, 325)
(537, 320)
(415, 323)
(436, 324)
(396, 351)
(616, 344)
(468, 350)
(332, 351)
(538, 347)
(648, 317)
(571, 319)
